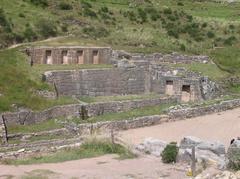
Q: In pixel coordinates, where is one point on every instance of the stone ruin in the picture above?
(132, 73)
(69, 55)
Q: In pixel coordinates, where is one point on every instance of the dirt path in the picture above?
(221, 126)
(105, 167)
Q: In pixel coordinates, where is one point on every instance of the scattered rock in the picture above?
(216, 147)
(233, 155)
(189, 141)
(152, 146)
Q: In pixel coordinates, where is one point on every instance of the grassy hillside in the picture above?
(186, 26)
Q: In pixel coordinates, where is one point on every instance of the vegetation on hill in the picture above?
(186, 26)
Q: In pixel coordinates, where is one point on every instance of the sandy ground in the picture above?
(221, 126)
(105, 167)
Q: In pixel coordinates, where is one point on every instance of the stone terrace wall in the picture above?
(86, 129)
(200, 111)
(39, 54)
(97, 109)
(98, 82)
(75, 110)
(158, 57)
(172, 115)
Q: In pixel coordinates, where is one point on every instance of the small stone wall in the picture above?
(77, 110)
(87, 129)
(97, 109)
(162, 58)
(3, 131)
(200, 111)
(70, 55)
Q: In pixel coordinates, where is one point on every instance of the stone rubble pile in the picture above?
(207, 153)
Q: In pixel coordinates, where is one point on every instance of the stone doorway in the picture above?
(80, 59)
(49, 57)
(64, 57)
(169, 88)
(95, 57)
(186, 93)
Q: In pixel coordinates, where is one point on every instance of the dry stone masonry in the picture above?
(69, 55)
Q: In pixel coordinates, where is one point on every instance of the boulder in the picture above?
(216, 147)
(152, 146)
(189, 141)
(233, 155)
(204, 158)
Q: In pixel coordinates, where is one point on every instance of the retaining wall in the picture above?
(200, 111)
(77, 110)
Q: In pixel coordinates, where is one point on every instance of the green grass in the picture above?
(228, 59)
(210, 70)
(43, 126)
(57, 123)
(89, 99)
(89, 149)
(145, 111)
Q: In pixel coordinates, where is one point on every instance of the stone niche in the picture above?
(48, 58)
(70, 55)
(169, 87)
(186, 93)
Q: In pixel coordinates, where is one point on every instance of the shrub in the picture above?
(142, 14)
(21, 15)
(86, 4)
(29, 34)
(174, 33)
(180, 4)
(230, 40)
(210, 34)
(167, 11)
(65, 6)
(204, 25)
(96, 32)
(169, 154)
(87, 12)
(104, 9)
(42, 3)
(46, 28)
(231, 27)
(182, 47)
(4, 22)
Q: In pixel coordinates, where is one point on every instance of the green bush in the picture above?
(167, 11)
(65, 6)
(210, 34)
(46, 28)
(96, 32)
(182, 47)
(87, 12)
(169, 154)
(230, 40)
(42, 3)
(4, 22)
(29, 34)
(142, 14)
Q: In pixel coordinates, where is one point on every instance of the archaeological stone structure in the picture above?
(154, 79)
(132, 74)
(69, 55)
